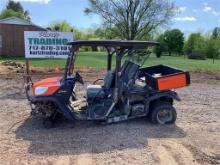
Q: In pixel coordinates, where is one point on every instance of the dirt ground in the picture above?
(194, 139)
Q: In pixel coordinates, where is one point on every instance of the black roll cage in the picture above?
(117, 47)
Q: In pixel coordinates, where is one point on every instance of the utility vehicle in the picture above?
(129, 91)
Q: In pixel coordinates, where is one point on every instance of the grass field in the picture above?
(99, 60)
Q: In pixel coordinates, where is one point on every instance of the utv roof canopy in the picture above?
(117, 47)
(126, 44)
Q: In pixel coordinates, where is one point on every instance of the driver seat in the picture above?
(98, 91)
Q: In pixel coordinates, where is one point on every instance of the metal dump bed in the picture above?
(162, 77)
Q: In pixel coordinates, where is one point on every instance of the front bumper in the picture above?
(63, 108)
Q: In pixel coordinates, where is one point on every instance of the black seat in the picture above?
(95, 91)
(128, 72)
(99, 91)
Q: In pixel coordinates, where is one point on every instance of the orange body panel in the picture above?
(52, 83)
(172, 82)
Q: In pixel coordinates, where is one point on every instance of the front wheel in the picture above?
(163, 113)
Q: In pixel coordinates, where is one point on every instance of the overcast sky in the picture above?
(195, 15)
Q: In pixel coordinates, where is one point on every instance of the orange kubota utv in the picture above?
(128, 91)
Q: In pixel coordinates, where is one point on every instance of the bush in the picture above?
(158, 52)
(195, 43)
(213, 48)
(197, 56)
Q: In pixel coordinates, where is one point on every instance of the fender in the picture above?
(63, 108)
(170, 94)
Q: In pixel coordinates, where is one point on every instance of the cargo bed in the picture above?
(161, 77)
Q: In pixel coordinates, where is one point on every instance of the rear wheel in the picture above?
(163, 113)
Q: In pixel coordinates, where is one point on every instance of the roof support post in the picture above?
(68, 65)
(119, 55)
(109, 62)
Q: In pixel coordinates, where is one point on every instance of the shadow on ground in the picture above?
(88, 137)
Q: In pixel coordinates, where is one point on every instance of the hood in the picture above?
(52, 84)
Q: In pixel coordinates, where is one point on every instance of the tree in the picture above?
(213, 48)
(195, 42)
(133, 19)
(10, 13)
(27, 15)
(213, 44)
(105, 33)
(174, 40)
(76, 33)
(216, 33)
(15, 9)
(162, 47)
(16, 6)
(196, 45)
(89, 33)
(62, 26)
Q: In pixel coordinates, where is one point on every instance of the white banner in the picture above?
(47, 44)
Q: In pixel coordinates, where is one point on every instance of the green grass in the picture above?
(186, 64)
(99, 60)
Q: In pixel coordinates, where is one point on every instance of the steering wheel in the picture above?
(79, 78)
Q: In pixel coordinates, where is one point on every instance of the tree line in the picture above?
(196, 46)
(134, 20)
(121, 19)
(15, 9)
(172, 42)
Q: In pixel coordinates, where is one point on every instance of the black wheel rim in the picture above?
(164, 116)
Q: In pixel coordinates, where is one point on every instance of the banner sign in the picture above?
(47, 44)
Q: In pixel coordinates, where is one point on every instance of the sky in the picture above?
(193, 15)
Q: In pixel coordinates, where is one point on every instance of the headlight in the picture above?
(40, 90)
